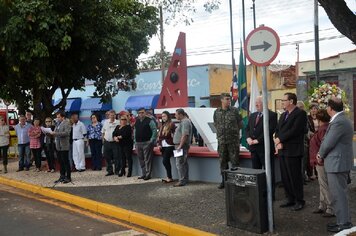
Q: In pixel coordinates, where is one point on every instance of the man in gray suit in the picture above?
(61, 136)
(336, 153)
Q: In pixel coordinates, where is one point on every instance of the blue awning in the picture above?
(94, 104)
(145, 101)
(73, 104)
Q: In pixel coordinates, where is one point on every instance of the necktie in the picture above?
(258, 118)
(286, 116)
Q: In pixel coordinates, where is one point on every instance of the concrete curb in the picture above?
(152, 223)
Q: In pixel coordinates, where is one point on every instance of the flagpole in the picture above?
(232, 40)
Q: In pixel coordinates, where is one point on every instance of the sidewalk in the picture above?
(198, 205)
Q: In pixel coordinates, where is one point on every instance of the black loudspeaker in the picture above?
(246, 199)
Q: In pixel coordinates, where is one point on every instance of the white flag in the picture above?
(255, 92)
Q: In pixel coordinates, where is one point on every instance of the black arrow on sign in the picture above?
(263, 46)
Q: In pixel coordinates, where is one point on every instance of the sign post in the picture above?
(261, 48)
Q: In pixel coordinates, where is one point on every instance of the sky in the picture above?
(208, 37)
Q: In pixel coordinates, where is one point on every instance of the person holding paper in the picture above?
(165, 143)
(61, 137)
(181, 139)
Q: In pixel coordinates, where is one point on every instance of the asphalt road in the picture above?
(22, 214)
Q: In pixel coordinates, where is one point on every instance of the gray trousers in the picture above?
(339, 196)
(145, 155)
(183, 167)
(325, 198)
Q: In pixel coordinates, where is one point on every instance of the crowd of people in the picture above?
(113, 138)
(318, 145)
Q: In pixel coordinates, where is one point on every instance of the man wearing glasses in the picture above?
(145, 137)
(289, 144)
(228, 123)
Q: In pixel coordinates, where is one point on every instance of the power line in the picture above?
(227, 49)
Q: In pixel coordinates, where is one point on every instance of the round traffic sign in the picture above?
(262, 46)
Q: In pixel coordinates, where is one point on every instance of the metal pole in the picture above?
(243, 29)
(297, 64)
(316, 39)
(254, 13)
(232, 41)
(267, 149)
(162, 44)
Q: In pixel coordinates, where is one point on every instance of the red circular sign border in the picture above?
(277, 48)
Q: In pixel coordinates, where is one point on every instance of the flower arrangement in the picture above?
(324, 92)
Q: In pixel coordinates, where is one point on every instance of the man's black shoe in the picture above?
(141, 177)
(60, 180)
(109, 173)
(331, 225)
(147, 178)
(341, 227)
(234, 168)
(287, 204)
(81, 170)
(66, 181)
(179, 184)
(298, 206)
(221, 186)
(318, 211)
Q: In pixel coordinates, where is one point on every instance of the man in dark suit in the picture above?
(336, 153)
(255, 137)
(289, 144)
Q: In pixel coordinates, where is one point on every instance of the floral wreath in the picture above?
(324, 92)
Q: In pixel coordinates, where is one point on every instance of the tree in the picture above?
(49, 45)
(155, 62)
(341, 17)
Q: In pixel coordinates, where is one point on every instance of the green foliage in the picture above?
(48, 45)
(155, 62)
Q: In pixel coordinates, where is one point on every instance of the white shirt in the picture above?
(108, 129)
(79, 130)
(336, 114)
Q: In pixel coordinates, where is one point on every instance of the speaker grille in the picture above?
(246, 203)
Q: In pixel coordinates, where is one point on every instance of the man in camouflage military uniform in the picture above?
(228, 123)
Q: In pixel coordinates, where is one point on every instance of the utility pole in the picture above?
(316, 40)
(254, 13)
(162, 44)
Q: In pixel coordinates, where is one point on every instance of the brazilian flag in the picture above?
(243, 101)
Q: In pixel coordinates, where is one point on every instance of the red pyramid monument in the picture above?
(174, 91)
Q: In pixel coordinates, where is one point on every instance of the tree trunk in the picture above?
(341, 16)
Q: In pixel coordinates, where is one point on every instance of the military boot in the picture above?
(222, 184)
